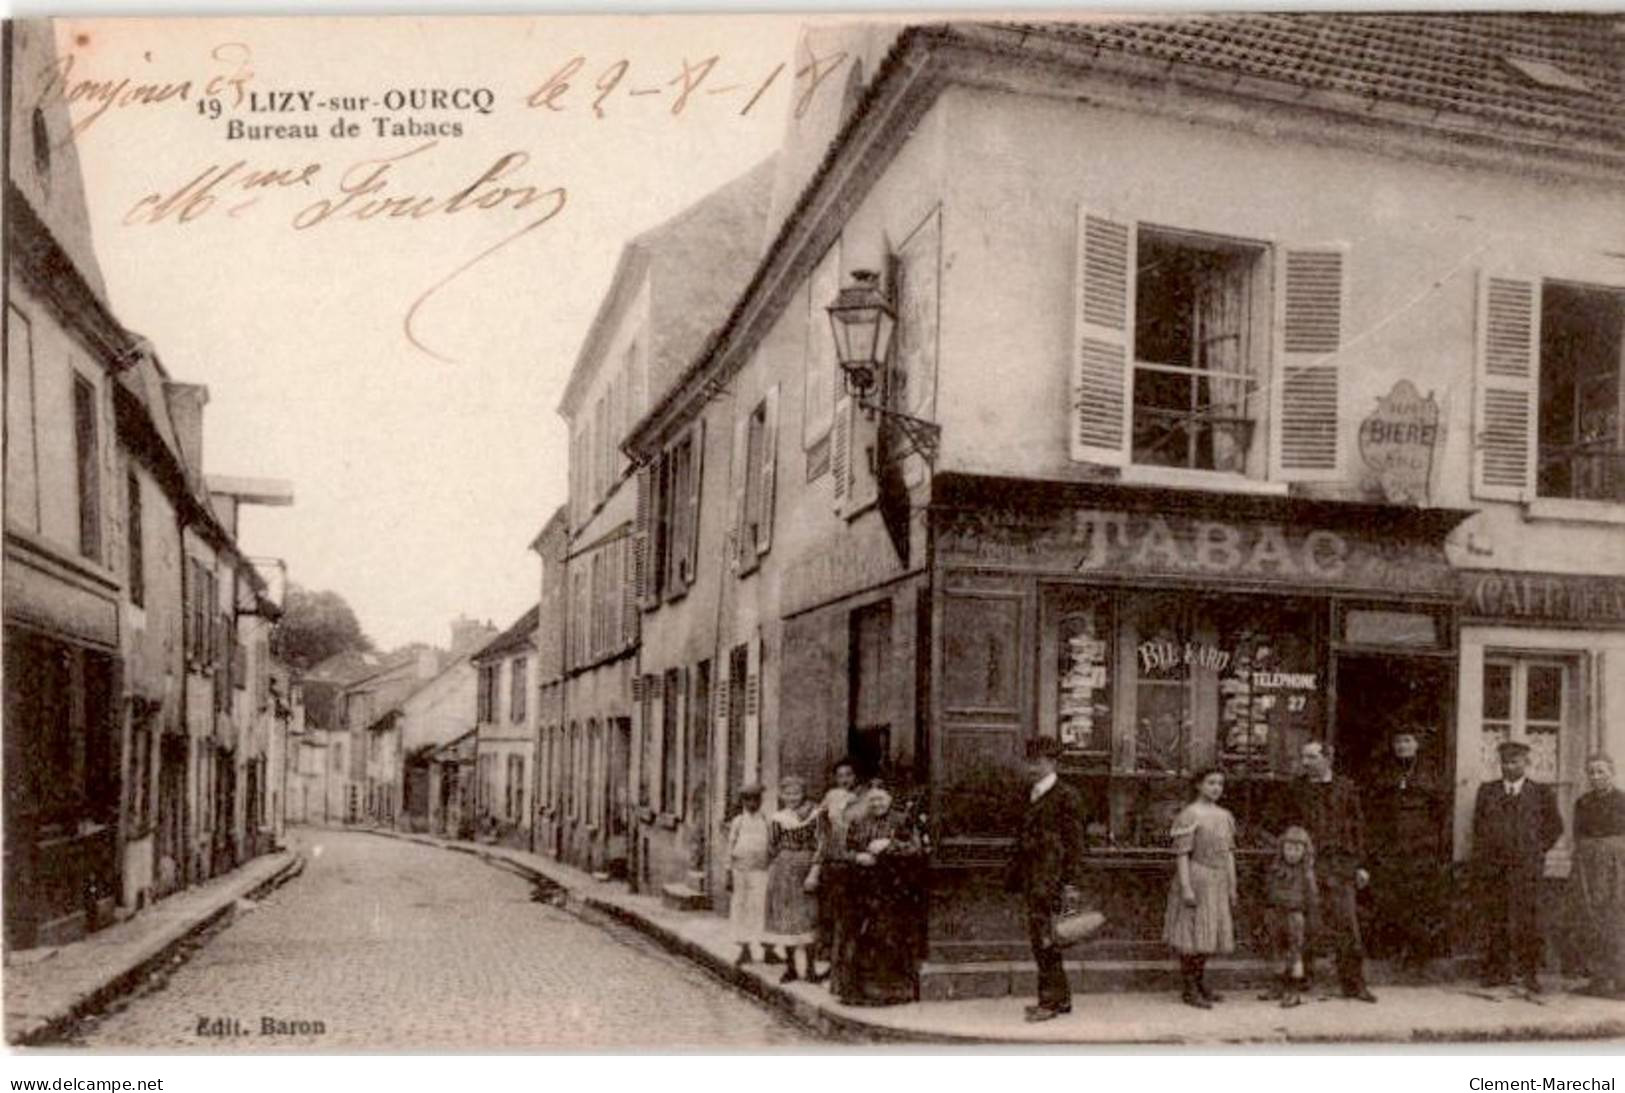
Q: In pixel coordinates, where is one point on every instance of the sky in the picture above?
(424, 456)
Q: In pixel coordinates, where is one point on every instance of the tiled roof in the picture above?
(514, 637)
(1482, 67)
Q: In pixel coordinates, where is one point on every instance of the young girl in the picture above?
(792, 841)
(747, 863)
(1202, 894)
(1293, 898)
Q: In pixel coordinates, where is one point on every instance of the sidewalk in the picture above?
(1443, 1013)
(47, 988)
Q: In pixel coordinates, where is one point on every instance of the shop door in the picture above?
(1378, 694)
(619, 777)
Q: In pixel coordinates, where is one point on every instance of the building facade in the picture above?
(132, 616)
(505, 734)
(1326, 444)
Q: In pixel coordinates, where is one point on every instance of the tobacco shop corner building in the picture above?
(1278, 400)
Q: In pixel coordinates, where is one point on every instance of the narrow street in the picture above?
(390, 945)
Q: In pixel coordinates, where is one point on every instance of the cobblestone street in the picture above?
(392, 945)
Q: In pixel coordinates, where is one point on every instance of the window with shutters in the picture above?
(1205, 354)
(1580, 454)
(1196, 360)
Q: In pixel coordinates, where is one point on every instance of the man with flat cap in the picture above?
(1515, 821)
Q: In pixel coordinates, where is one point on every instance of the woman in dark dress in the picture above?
(877, 961)
(1598, 883)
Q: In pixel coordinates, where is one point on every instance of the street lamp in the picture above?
(863, 323)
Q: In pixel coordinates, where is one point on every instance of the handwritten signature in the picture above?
(365, 190)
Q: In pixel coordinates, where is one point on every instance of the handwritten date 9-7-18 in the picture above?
(559, 90)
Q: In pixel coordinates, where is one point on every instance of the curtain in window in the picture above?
(1221, 322)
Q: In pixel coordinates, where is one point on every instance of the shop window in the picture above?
(1582, 340)
(1525, 699)
(1194, 351)
(1200, 681)
(1083, 679)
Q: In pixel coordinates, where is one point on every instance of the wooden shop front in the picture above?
(1155, 633)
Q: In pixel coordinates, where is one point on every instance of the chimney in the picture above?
(186, 402)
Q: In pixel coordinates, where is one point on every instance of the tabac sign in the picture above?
(1108, 542)
(1397, 443)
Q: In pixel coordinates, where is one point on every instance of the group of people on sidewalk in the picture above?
(842, 882)
(1320, 863)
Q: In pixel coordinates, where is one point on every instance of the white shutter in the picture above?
(719, 728)
(770, 461)
(1102, 341)
(753, 709)
(1306, 440)
(840, 454)
(1505, 387)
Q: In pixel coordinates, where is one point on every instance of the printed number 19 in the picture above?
(209, 108)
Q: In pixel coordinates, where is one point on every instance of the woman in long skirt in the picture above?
(792, 845)
(747, 865)
(877, 959)
(1598, 882)
(1202, 896)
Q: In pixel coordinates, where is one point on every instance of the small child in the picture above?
(1293, 897)
(747, 864)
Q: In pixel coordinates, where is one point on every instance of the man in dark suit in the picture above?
(1515, 821)
(1327, 806)
(1046, 863)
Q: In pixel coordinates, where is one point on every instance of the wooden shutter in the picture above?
(770, 463)
(189, 591)
(1307, 439)
(840, 454)
(630, 603)
(719, 728)
(738, 551)
(642, 584)
(679, 745)
(1103, 341)
(696, 468)
(656, 751)
(753, 709)
(1506, 381)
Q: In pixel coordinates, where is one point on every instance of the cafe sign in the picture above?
(1543, 598)
(1397, 443)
